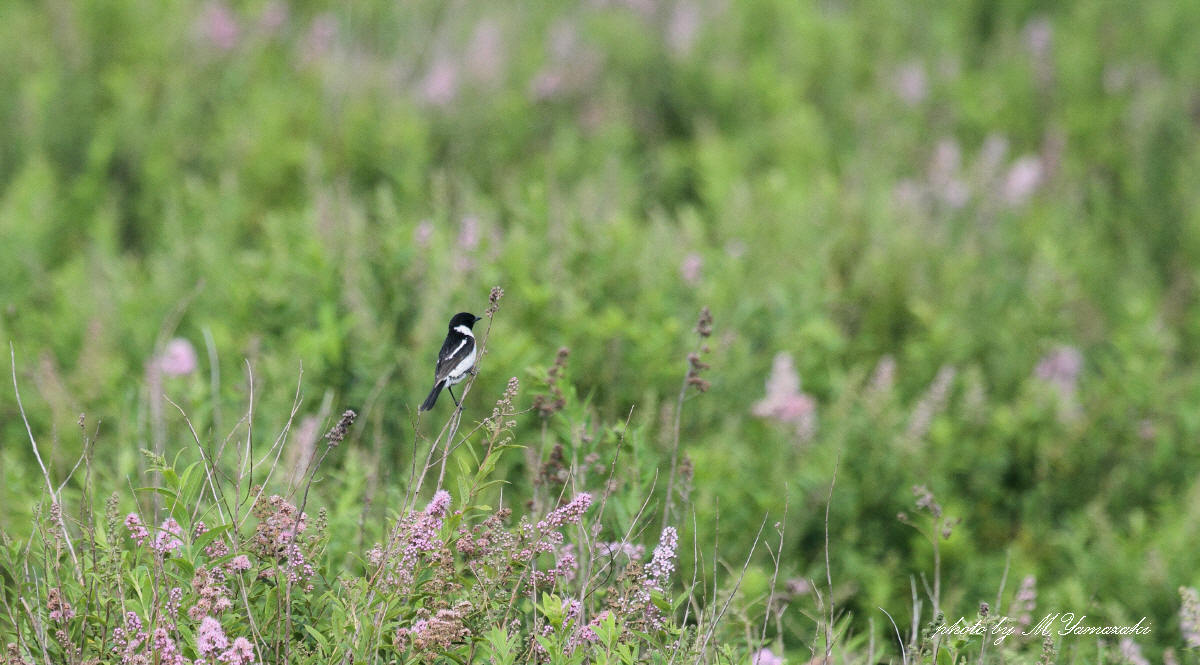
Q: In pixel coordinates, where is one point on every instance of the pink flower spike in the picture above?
(168, 538)
(784, 402)
(765, 657)
(1024, 178)
(137, 530)
(220, 26)
(240, 653)
(690, 268)
(570, 513)
(440, 85)
(211, 637)
(178, 358)
(438, 504)
(911, 83)
(663, 563)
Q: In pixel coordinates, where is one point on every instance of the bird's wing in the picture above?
(453, 353)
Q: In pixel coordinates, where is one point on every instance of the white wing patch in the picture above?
(460, 371)
(460, 345)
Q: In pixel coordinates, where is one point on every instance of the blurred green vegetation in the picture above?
(974, 186)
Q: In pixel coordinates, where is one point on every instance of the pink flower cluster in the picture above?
(279, 524)
(784, 402)
(178, 358)
(614, 549)
(60, 609)
(298, 569)
(165, 648)
(216, 549)
(883, 379)
(950, 184)
(587, 632)
(137, 531)
(424, 536)
(134, 644)
(932, 403)
(212, 642)
(438, 505)
(241, 652)
(1189, 616)
(570, 513)
(564, 570)
(419, 534)
(219, 26)
(211, 637)
(690, 268)
(174, 600)
(663, 563)
(765, 657)
(544, 536)
(580, 633)
(168, 538)
(1061, 367)
(439, 631)
(1132, 653)
(127, 638)
(1026, 601)
(657, 574)
(212, 594)
(911, 83)
(166, 541)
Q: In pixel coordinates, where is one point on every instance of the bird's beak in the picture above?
(478, 319)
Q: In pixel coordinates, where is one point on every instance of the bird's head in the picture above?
(464, 319)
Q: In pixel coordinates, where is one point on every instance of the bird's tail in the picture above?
(433, 395)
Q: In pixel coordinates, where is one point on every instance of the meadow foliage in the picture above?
(946, 255)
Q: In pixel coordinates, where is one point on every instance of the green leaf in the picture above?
(607, 630)
(191, 483)
(170, 478)
(552, 608)
(159, 490)
(316, 635)
(502, 647)
(546, 643)
(203, 540)
(464, 489)
(464, 466)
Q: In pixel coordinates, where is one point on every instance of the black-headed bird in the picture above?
(455, 360)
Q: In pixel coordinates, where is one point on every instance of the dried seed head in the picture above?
(925, 500)
(695, 367)
(338, 433)
(704, 326)
(548, 405)
(494, 300)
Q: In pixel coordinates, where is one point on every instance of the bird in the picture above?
(455, 360)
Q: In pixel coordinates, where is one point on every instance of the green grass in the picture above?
(834, 181)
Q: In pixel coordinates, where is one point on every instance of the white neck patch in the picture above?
(464, 330)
